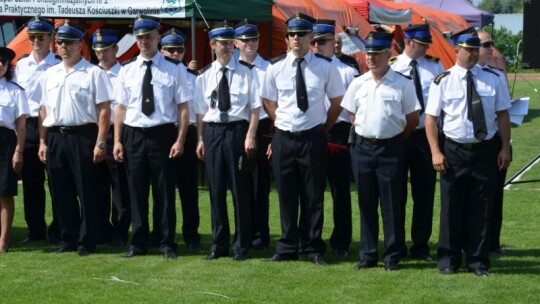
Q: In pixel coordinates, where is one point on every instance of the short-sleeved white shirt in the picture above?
(322, 80)
(380, 109)
(12, 104)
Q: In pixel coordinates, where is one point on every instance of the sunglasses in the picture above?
(488, 44)
(4, 61)
(320, 41)
(66, 42)
(249, 40)
(178, 50)
(38, 37)
(299, 34)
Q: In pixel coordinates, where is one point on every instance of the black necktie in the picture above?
(301, 92)
(475, 111)
(224, 96)
(147, 91)
(417, 85)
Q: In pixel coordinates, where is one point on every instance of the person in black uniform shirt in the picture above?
(74, 122)
(247, 42)
(384, 110)
(13, 112)
(348, 60)
(226, 100)
(152, 96)
(422, 69)
(295, 89)
(172, 46)
(470, 102)
(113, 177)
(29, 68)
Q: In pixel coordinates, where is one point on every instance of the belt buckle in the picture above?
(63, 130)
(467, 146)
(297, 133)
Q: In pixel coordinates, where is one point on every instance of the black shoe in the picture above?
(448, 271)
(423, 257)
(118, 243)
(317, 259)
(391, 266)
(342, 253)
(194, 247)
(481, 272)
(366, 264)
(82, 251)
(30, 239)
(283, 257)
(498, 251)
(259, 248)
(133, 252)
(170, 254)
(239, 257)
(64, 249)
(214, 255)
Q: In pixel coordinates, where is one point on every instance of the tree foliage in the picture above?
(502, 6)
(506, 43)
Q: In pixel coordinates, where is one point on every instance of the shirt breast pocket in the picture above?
(163, 88)
(52, 90)
(81, 92)
(239, 93)
(391, 100)
(487, 96)
(5, 98)
(133, 87)
(285, 86)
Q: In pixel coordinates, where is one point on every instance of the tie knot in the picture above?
(413, 63)
(299, 60)
(148, 63)
(223, 69)
(469, 73)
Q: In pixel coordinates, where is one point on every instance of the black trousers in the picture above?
(423, 178)
(146, 152)
(339, 178)
(113, 182)
(73, 179)
(33, 177)
(497, 213)
(187, 176)
(378, 174)
(467, 193)
(260, 190)
(300, 163)
(223, 146)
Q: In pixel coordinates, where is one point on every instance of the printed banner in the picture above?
(96, 8)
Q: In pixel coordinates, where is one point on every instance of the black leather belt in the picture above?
(471, 146)
(302, 133)
(72, 129)
(227, 124)
(379, 142)
(157, 128)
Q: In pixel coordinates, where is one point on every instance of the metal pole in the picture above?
(515, 67)
(522, 170)
(193, 39)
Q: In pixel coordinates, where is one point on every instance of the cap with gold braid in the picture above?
(38, 25)
(172, 38)
(222, 31)
(145, 24)
(104, 38)
(246, 29)
(377, 42)
(70, 31)
(300, 23)
(467, 38)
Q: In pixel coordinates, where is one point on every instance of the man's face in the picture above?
(107, 55)
(222, 48)
(415, 49)
(466, 57)
(174, 52)
(299, 41)
(324, 45)
(148, 42)
(486, 51)
(378, 61)
(39, 41)
(338, 45)
(68, 49)
(248, 46)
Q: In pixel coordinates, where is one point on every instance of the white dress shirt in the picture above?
(12, 104)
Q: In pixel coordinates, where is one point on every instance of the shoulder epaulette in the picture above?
(172, 60)
(490, 71)
(17, 85)
(439, 77)
(130, 60)
(23, 56)
(99, 66)
(432, 58)
(406, 76)
(392, 60)
(205, 68)
(278, 58)
(58, 57)
(194, 72)
(323, 57)
(495, 68)
(249, 65)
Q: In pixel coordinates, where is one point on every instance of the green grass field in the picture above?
(35, 274)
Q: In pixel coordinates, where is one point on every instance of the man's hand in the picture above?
(42, 153)
(200, 150)
(118, 152)
(440, 164)
(17, 161)
(177, 150)
(99, 155)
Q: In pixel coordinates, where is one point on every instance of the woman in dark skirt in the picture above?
(13, 112)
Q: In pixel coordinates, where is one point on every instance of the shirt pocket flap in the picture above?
(390, 95)
(284, 85)
(455, 94)
(133, 83)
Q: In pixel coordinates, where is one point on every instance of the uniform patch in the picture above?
(249, 65)
(278, 58)
(406, 76)
(490, 71)
(439, 77)
(432, 58)
(130, 60)
(392, 60)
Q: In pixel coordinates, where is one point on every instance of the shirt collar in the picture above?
(462, 72)
(307, 57)
(155, 60)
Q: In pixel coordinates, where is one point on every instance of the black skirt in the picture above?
(8, 177)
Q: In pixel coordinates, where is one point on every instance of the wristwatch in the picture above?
(101, 145)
